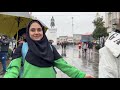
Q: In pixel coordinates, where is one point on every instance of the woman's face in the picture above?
(35, 31)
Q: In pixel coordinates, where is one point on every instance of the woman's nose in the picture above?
(36, 32)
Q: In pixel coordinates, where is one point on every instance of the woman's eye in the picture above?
(33, 29)
(39, 29)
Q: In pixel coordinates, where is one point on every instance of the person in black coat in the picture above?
(4, 42)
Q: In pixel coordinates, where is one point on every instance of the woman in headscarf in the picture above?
(40, 59)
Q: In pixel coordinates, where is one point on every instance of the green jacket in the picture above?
(31, 71)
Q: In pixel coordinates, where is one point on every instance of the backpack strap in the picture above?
(24, 51)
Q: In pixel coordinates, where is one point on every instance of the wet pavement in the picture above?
(75, 57)
(8, 61)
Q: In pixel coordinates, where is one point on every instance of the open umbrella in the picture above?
(11, 22)
(20, 33)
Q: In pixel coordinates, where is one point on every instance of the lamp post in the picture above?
(72, 30)
(73, 36)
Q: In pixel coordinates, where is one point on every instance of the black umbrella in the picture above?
(20, 33)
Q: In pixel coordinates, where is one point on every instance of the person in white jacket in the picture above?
(109, 57)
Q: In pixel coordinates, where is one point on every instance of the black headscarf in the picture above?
(40, 52)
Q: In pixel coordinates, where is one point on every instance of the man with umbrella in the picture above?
(4, 43)
(21, 36)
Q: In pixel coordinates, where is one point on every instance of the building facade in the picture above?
(77, 38)
(112, 20)
(52, 35)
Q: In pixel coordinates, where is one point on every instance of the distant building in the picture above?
(86, 37)
(112, 18)
(63, 38)
(76, 38)
(70, 40)
(52, 32)
(52, 24)
(52, 35)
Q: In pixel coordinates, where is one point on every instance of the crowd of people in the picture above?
(86, 47)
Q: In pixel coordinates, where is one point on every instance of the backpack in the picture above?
(24, 52)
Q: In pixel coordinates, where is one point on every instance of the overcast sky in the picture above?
(63, 21)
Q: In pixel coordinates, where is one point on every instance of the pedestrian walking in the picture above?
(85, 46)
(40, 59)
(64, 48)
(79, 45)
(4, 43)
(90, 46)
(19, 42)
(51, 42)
(79, 48)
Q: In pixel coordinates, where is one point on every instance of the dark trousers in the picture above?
(64, 51)
(3, 57)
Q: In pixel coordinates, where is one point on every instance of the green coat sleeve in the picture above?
(13, 69)
(71, 71)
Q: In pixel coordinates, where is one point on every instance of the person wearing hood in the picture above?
(109, 56)
(40, 59)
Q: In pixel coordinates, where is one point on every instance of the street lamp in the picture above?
(72, 30)
(73, 35)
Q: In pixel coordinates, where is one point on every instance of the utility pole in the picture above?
(73, 35)
(72, 30)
